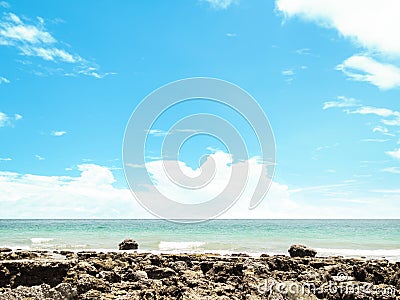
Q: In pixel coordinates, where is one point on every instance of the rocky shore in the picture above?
(132, 275)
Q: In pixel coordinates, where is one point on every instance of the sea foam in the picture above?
(168, 246)
(41, 240)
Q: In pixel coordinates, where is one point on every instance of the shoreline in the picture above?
(137, 275)
(394, 254)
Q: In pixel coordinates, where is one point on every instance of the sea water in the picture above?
(349, 238)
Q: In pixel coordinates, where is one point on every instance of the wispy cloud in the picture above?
(394, 170)
(393, 122)
(4, 80)
(58, 133)
(32, 39)
(341, 102)
(370, 110)
(363, 68)
(93, 71)
(394, 153)
(38, 157)
(50, 54)
(361, 23)
(288, 72)
(6, 120)
(303, 51)
(5, 159)
(160, 133)
(157, 132)
(390, 117)
(229, 34)
(4, 4)
(221, 4)
(318, 188)
(374, 140)
(383, 130)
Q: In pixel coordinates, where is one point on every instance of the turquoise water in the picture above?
(371, 238)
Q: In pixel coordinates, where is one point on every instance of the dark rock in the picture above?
(395, 280)
(205, 266)
(128, 244)
(154, 272)
(88, 282)
(359, 273)
(32, 273)
(62, 291)
(301, 251)
(179, 265)
(86, 254)
(132, 275)
(5, 250)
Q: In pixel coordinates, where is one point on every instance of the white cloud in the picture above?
(341, 103)
(231, 34)
(389, 117)
(220, 4)
(382, 112)
(303, 51)
(38, 157)
(90, 194)
(93, 71)
(394, 170)
(51, 54)
(4, 4)
(375, 140)
(288, 72)
(6, 120)
(4, 80)
(383, 130)
(363, 68)
(3, 119)
(58, 133)
(31, 38)
(161, 133)
(394, 122)
(370, 24)
(157, 132)
(394, 154)
(5, 158)
(17, 31)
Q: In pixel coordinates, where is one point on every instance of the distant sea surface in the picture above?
(349, 238)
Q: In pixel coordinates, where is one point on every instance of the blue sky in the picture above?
(71, 75)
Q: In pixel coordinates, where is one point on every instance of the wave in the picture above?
(168, 246)
(359, 252)
(41, 240)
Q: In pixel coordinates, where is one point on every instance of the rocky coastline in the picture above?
(133, 275)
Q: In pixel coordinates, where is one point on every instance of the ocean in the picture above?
(349, 238)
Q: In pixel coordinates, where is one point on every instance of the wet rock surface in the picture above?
(128, 244)
(131, 275)
(301, 251)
